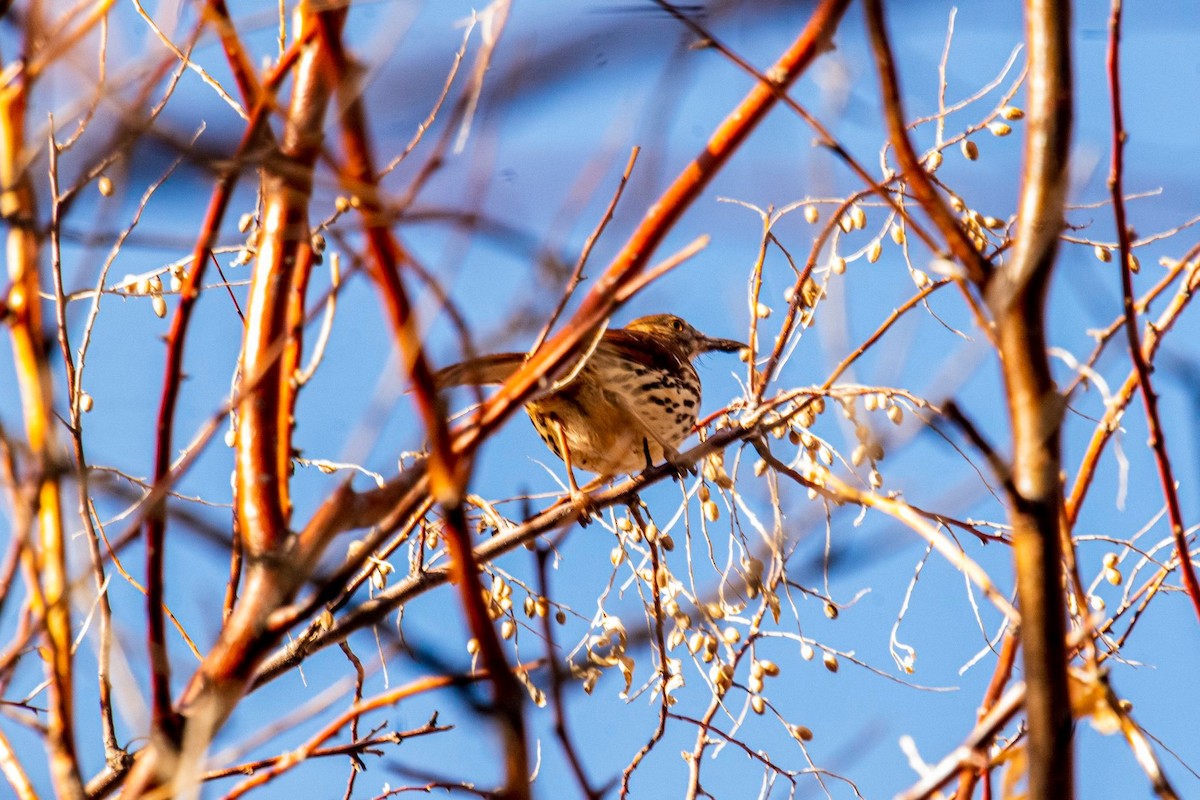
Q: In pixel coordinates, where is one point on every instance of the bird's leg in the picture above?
(672, 456)
(578, 498)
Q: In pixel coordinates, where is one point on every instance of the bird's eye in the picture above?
(677, 324)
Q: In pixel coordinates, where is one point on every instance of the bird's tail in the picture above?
(480, 371)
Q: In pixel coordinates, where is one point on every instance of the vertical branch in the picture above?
(1035, 407)
(448, 470)
(1158, 442)
(151, 768)
(46, 559)
(112, 750)
(263, 449)
(1016, 295)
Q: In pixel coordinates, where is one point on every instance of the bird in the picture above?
(629, 405)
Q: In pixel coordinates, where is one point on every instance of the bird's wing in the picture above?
(640, 348)
(480, 371)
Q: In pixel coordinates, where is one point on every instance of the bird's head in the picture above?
(681, 336)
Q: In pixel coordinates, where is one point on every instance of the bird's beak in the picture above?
(707, 345)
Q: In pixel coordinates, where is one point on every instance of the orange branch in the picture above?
(45, 561)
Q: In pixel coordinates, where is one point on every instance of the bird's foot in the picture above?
(680, 466)
(582, 502)
(580, 499)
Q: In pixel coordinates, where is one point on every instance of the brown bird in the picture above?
(629, 405)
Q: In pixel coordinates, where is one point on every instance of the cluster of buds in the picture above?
(977, 226)
(247, 224)
(752, 573)
(712, 512)
(854, 219)
(377, 568)
(721, 676)
(150, 286)
(760, 669)
(869, 449)
(882, 401)
(704, 645)
(806, 294)
(1104, 254)
(608, 649)
(651, 534)
(1111, 573)
(498, 598)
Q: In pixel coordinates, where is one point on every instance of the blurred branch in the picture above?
(1017, 299)
(45, 560)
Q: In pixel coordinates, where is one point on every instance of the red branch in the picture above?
(1158, 442)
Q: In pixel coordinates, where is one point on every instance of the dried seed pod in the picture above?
(801, 733)
(1103, 254)
(711, 511)
(831, 610)
(933, 161)
(895, 414)
(762, 311)
(807, 652)
(811, 215)
(838, 265)
(858, 217)
(758, 704)
(1011, 113)
(508, 629)
(897, 233)
(831, 662)
(85, 402)
(159, 305)
(105, 186)
(874, 251)
(999, 129)
(858, 455)
(969, 149)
